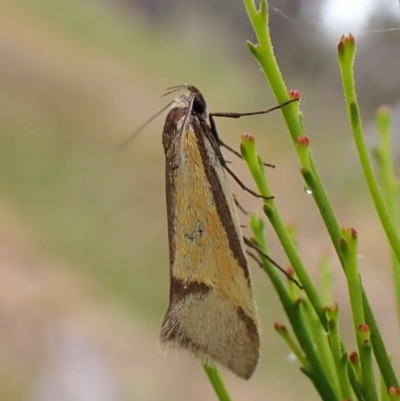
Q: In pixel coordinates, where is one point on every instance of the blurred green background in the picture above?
(83, 240)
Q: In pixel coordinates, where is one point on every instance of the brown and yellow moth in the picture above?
(211, 310)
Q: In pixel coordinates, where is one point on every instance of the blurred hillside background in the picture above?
(83, 239)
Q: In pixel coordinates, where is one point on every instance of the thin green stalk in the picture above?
(326, 277)
(257, 171)
(384, 394)
(310, 361)
(336, 351)
(320, 339)
(216, 382)
(264, 55)
(346, 58)
(362, 332)
(257, 227)
(390, 186)
(292, 308)
(355, 362)
(381, 355)
(384, 157)
(263, 52)
(282, 331)
(368, 379)
(317, 374)
(348, 244)
(355, 384)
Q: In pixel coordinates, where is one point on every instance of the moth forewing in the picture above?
(211, 309)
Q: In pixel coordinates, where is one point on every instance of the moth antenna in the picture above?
(175, 88)
(251, 244)
(124, 144)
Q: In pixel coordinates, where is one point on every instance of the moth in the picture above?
(211, 310)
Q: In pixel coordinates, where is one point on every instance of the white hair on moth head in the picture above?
(181, 101)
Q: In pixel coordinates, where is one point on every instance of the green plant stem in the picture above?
(381, 355)
(282, 330)
(257, 171)
(349, 251)
(320, 339)
(257, 227)
(216, 382)
(263, 52)
(346, 59)
(384, 394)
(313, 369)
(340, 362)
(316, 374)
(264, 55)
(326, 277)
(390, 186)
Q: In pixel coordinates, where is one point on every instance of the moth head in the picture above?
(199, 106)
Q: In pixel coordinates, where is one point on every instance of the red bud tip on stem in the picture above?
(280, 328)
(364, 333)
(341, 46)
(332, 312)
(384, 109)
(345, 40)
(393, 391)
(294, 94)
(346, 43)
(247, 137)
(332, 308)
(350, 231)
(353, 357)
(303, 141)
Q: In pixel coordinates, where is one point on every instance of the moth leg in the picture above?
(239, 115)
(252, 113)
(254, 246)
(236, 153)
(239, 206)
(221, 143)
(250, 191)
(253, 256)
